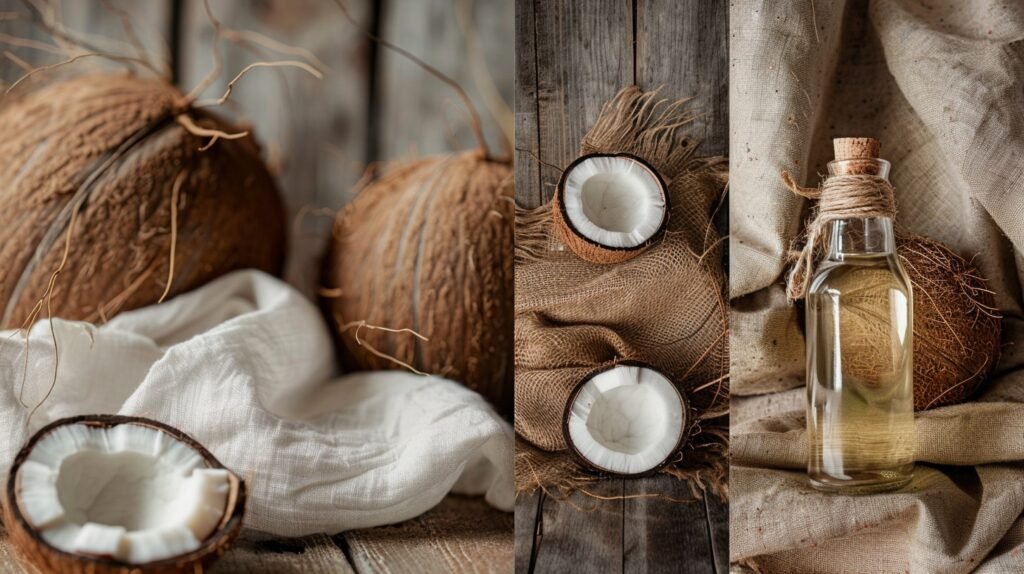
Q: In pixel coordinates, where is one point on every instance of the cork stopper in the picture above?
(856, 148)
(857, 156)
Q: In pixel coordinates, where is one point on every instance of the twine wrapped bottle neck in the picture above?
(859, 210)
(842, 196)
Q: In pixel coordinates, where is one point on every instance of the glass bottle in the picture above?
(860, 413)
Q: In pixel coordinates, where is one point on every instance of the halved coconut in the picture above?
(626, 419)
(610, 207)
(106, 493)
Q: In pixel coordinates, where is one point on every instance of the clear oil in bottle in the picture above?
(860, 416)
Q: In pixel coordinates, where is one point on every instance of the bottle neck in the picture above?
(861, 236)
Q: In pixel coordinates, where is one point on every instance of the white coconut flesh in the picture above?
(127, 492)
(626, 420)
(614, 201)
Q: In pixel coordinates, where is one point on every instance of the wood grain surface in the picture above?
(571, 58)
(459, 535)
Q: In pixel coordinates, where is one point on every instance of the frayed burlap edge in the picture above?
(647, 126)
(533, 234)
(703, 464)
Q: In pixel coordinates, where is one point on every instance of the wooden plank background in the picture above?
(571, 58)
(319, 135)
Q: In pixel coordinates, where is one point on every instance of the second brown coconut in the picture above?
(419, 273)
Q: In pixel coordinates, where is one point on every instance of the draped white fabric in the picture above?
(246, 366)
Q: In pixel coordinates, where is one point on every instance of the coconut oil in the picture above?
(860, 415)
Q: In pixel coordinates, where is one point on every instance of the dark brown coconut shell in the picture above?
(108, 147)
(587, 249)
(956, 325)
(35, 551)
(428, 247)
(591, 467)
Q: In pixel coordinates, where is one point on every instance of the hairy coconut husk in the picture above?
(956, 324)
(38, 554)
(419, 273)
(104, 153)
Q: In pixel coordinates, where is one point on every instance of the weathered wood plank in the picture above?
(583, 533)
(314, 132)
(104, 24)
(528, 183)
(682, 45)
(313, 555)
(528, 535)
(419, 115)
(584, 56)
(92, 22)
(459, 535)
(12, 27)
(666, 528)
(718, 520)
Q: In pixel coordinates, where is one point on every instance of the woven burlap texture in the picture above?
(665, 307)
(942, 87)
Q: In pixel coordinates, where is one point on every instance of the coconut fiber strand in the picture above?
(941, 88)
(664, 307)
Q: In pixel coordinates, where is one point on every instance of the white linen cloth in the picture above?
(245, 366)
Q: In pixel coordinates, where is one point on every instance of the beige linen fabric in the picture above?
(941, 84)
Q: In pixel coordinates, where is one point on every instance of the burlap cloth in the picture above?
(941, 84)
(666, 307)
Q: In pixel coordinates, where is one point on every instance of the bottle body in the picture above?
(860, 415)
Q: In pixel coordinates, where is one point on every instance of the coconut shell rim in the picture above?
(226, 530)
(604, 472)
(563, 221)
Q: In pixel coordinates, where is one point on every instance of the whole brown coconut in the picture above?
(956, 326)
(104, 152)
(426, 250)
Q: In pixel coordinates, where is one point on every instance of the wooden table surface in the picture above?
(571, 58)
(459, 535)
